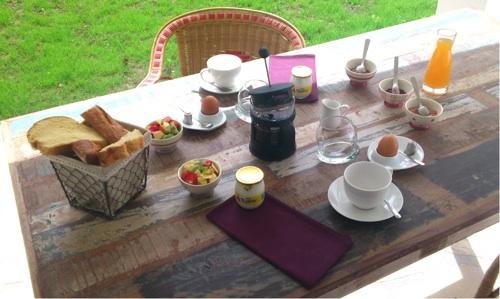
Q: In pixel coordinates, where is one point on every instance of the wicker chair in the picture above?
(486, 288)
(203, 33)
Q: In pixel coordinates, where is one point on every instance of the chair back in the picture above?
(204, 33)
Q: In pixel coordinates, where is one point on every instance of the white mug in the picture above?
(222, 70)
(332, 108)
(366, 184)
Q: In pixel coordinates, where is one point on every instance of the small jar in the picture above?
(302, 81)
(249, 190)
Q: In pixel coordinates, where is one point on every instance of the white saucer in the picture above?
(339, 201)
(398, 162)
(219, 121)
(238, 83)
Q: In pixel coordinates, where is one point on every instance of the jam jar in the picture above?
(302, 81)
(249, 190)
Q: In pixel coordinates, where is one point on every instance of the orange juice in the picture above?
(437, 76)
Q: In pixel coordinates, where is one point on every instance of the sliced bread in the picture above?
(121, 149)
(86, 150)
(54, 135)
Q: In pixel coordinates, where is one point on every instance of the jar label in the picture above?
(249, 202)
(302, 92)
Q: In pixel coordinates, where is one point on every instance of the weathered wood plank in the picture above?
(470, 175)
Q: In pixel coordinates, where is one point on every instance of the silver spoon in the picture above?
(421, 109)
(409, 151)
(205, 125)
(362, 67)
(393, 210)
(395, 85)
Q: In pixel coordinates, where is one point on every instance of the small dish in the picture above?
(167, 145)
(360, 79)
(399, 162)
(200, 189)
(421, 122)
(218, 121)
(238, 83)
(339, 201)
(392, 100)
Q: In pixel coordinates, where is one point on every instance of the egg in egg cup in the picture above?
(209, 110)
(387, 149)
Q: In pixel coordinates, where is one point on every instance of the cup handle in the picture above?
(203, 71)
(343, 109)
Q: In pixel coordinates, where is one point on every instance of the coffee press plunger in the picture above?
(272, 113)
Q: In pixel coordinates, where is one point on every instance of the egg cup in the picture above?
(208, 118)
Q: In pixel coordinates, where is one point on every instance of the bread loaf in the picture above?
(104, 124)
(55, 135)
(86, 150)
(121, 149)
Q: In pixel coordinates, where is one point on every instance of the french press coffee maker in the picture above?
(272, 113)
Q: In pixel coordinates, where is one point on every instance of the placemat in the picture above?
(280, 71)
(298, 245)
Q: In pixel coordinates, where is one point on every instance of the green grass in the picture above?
(57, 52)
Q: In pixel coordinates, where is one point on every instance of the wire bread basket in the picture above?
(104, 190)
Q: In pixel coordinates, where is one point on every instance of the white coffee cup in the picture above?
(332, 108)
(366, 184)
(222, 70)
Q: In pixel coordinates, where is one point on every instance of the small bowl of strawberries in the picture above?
(166, 133)
(200, 176)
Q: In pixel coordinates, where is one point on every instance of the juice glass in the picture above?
(437, 75)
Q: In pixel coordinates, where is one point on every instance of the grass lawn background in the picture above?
(57, 52)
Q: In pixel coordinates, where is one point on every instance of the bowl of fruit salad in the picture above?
(199, 176)
(166, 132)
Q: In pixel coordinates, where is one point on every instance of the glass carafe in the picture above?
(437, 75)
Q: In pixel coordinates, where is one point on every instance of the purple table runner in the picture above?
(280, 71)
(298, 245)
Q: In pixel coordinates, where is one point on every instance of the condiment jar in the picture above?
(302, 81)
(249, 190)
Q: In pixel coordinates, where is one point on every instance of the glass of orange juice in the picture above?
(437, 75)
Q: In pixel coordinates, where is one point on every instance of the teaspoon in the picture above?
(421, 109)
(362, 67)
(393, 210)
(395, 85)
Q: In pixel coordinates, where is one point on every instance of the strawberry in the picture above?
(167, 119)
(190, 178)
(176, 124)
(207, 163)
(154, 127)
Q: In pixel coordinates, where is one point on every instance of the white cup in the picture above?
(366, 184)
(331, 107)
(222, 70)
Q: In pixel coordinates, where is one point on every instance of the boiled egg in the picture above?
(388, 146)
(209, 105)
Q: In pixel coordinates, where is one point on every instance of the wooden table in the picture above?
(163, 245)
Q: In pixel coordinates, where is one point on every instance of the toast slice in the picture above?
(55, 135)
(121, 149)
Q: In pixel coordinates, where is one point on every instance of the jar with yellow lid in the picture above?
(249, 190)
(302, 81)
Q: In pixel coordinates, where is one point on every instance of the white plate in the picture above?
(221, 119)
(398, 162)
(339, 201)
(238, 83)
